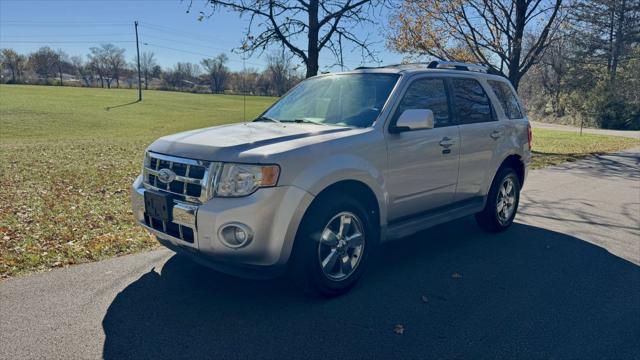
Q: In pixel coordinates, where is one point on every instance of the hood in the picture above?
(230, 142)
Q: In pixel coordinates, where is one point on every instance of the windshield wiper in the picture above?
(306, 121)
(267, 118)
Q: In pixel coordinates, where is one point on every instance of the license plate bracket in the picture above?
(158, 205)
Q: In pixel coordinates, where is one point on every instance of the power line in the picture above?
(189, 52)
(169, 30)
(64, 22)
(185, 42)
(67, 42)
(61, 25)
(66, 35)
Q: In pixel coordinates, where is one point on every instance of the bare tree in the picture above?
(82, 70)
(218, 72)
(182, 75)
(147, 64)
(322, 24)
(98, 64)
(490, 32)
(62, 61)
(278, 72)
(108, 62)
(14, 62)
(43, 62)
(115, 61)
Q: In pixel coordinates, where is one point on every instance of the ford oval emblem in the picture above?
(166, 176)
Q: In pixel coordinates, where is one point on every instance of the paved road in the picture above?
(624, 133)
(561, 283)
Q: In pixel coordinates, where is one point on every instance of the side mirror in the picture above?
(414, 119)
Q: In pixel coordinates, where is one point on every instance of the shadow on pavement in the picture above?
(621, 165)
(528, 292)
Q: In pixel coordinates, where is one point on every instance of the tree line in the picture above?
(105, 66)
(570, 60)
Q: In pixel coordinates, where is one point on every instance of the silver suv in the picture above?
(340, 164)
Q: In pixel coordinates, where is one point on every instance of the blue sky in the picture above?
(165, 28)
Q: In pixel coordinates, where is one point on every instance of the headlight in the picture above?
(242, 180)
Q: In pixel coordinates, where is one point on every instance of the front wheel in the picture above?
(502, 202)
(332, 247)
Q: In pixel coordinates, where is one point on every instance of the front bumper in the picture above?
(273, 215)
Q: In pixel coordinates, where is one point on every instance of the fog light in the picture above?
(235, 235)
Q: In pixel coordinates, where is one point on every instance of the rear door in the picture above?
(480, 135)
(423, 164)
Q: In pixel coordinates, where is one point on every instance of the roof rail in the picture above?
(457, 66)
(438, 64)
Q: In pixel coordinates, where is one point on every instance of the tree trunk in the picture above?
(516, 51)
(312, 47)
(146, 82)
(612, 20)
(617, 45)
(60, 72)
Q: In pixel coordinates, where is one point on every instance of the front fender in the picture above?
(340, 167)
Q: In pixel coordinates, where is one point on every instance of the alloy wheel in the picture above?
(341, 246)
(506, 202)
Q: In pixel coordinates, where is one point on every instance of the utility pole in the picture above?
(244, 89)
(138, 50)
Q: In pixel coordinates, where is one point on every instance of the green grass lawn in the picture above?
(552, 147)
(69, 155)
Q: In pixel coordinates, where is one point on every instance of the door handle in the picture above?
(446, 142)
(496, 135)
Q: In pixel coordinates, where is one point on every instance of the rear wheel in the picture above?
(332, 246)
(502, 202)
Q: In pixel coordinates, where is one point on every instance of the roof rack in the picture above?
(445, 65)
(453, 65)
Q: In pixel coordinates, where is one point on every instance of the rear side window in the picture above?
(470, 101)
(427, 94)
(507, 99)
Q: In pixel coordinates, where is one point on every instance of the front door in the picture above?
(423, 164)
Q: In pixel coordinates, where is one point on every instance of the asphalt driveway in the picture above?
(563, 282)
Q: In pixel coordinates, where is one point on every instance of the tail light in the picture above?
(529, 135)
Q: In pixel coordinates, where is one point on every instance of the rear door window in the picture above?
(507, 99)
(470, 101)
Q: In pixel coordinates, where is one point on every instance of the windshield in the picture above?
(342, 99)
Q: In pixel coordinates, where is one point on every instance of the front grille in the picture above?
(181, 232)
(194, 179)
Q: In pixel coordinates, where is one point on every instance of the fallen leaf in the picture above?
(456, 275)
(398, 329)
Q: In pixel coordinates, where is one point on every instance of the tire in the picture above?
(501, 209)
(344, 259)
